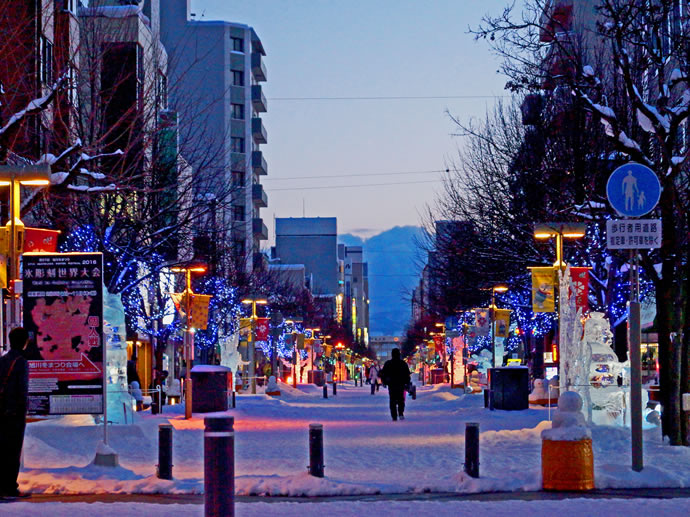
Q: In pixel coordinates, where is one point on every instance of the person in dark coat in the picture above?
(14, 394)
(396, 375)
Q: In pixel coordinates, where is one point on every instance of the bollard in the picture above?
(335, 388)
(234, 402)
(472, 449)
(325, 391)
(316, 465)
(219, 466)
(165, 451)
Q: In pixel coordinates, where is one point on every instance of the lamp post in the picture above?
(560, 231)
(312, 332)
(14, 177)
(188, 334)
(254, 300)
(492, 319)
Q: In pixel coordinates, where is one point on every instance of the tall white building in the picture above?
(215, 76)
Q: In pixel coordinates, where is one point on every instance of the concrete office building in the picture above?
(215, 71)
(356, 291)
(311, 241)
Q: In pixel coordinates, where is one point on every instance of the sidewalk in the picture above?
(640, 493)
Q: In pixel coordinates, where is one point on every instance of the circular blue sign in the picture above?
(633, 190)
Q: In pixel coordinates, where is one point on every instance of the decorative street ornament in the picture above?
(262, 329)
(502, 322)
(580, 279)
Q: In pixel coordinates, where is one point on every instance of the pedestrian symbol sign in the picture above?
(633, 190)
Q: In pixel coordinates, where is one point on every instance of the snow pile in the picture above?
(299, 485)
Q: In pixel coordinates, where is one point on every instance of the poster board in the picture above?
(63, 312)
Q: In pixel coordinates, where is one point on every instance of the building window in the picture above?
(238, 213)
(237, 78)
(236, 144)
(46, 61)
(238, 111)
(162, 87)
(237, 44)
(237, 179)
(68, 5)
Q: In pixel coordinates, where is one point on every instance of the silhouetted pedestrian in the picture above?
(396, 375)
(14, 394)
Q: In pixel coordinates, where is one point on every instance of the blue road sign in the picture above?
(633, 190)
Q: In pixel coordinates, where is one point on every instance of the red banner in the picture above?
(580, 278)
(261, 329)
(40, 240)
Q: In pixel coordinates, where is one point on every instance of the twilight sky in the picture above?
(363, 48)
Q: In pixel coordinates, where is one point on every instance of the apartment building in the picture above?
(216, 71)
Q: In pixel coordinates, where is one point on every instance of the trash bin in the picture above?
(210, 387)
(509, 388)
(437, 375)
(316, 377)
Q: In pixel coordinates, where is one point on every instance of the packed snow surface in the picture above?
(365, 452)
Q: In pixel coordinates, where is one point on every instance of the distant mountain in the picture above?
(393, 274)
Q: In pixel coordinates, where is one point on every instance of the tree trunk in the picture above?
(666, 299)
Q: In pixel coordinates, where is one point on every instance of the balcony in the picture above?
(259, 229)
(259, 131)
(259, 195)
(258, 67)
(259, 165)
(258, 99)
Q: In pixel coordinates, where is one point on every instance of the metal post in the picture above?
(188, 347)
(316, 466)
(472, 449)
(165, 451)
(234, 401)
(634, 338)
(335, 387)
(219, 466)
(493, 334)
(325, 390)
(294, 360)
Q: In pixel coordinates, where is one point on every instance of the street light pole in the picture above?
(188, 345)
(253, 300)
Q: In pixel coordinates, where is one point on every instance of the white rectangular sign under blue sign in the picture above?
(628, 234)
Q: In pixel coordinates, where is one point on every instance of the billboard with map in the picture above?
(63, 312)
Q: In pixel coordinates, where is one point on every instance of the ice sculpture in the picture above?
(121, 405)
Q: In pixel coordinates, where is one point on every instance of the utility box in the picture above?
(210, 387)
(509, 388)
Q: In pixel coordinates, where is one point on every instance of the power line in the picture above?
(354, 186)
(387, 98)
(341, 175)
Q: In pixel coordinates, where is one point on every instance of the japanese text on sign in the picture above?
(633, 234)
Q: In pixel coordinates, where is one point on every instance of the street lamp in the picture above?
(560, 231)
(254, 300)
(292, 322)
(312, 332)
(188, 346)
(13, 177)
(492, 319)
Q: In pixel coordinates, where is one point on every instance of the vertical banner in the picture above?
(580, 278)
(543, 291)
(261, 329)
(482, 322)
(438, 343)
(198, 317)
(63, 312)
(502, 322)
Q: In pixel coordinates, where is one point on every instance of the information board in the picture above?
(63, 312)
(633, 234)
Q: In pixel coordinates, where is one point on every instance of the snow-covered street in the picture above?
(365, 452)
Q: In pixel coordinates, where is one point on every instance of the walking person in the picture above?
(396, 375)
(374, 377)
(14, 394)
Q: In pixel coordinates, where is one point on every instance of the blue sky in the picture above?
(363, 48)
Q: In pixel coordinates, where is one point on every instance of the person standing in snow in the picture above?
(14, 395)
(396, 375)
(374, 377)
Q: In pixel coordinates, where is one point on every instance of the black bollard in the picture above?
(219, 466)
(472, 449)
(234, 402)
(316, 465)
(165, 451)
(335, 388)
(325, 391)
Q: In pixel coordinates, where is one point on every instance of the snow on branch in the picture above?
(34, 106)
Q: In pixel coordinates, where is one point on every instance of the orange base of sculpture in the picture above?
(567, 465)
